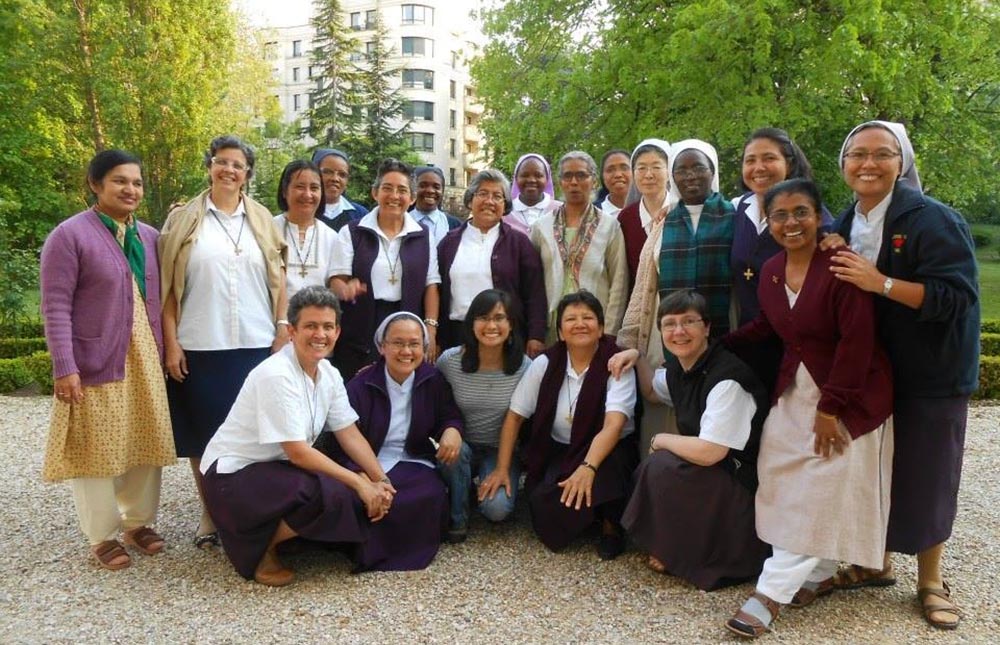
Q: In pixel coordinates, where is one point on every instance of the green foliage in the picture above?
(989, 378)
(18, 271)
(990, 326)
(277, 144)
(335, 109)
(562, 74)
(15, 347)
(990, 344)
(13, 374)
(39, 366)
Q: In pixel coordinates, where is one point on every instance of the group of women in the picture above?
(806, 382)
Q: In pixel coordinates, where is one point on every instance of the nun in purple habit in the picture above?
(409, 417)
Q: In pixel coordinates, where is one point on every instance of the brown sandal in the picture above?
(145, 539)
(857, 577)
(938, 600)
(749, 626)
(108, 551)
(805, 597)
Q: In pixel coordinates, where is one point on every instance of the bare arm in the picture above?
(693, 449)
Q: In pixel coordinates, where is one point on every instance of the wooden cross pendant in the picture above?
(302, 271)
(569, 418)
(238, 250)
(392, 279)
(748, 274)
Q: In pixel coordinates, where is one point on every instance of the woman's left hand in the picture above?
(68, 388)
(534, 348)
(577, 487)
(830, 436)
(280, 338)
(858, 270)
(432, 349)
(449, 447)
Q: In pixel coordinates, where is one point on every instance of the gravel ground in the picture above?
(501, 586)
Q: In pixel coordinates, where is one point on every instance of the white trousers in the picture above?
(106, 505)
(785, 572)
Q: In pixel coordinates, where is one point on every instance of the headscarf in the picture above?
(662, 144)
(549, 187)
(380, 333)
(322, 153)
(633, 192)
(898, 130)
(700, 146)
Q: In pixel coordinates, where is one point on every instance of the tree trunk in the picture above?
(88, 76)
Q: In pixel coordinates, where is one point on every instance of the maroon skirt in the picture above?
(409, 536)
(554, 523)
(247, 506)
(926, 471)
(697, 520)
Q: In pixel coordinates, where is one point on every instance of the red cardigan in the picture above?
(832, 330)
(635, 238)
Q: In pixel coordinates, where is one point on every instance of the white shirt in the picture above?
(393, 449)
(530, 214)
(226, 302)
(866, 230)
(694, 210)
(612, 210)
(729, 409)
(381, 286)
(471, 272)
(314, 257)
(435, 221)
(336, 208)
(620, 397)
(278, 402)
(752, 212)
(645, 217)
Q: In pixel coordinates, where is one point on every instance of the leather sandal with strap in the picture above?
(855, 577)
(748, 625)
(805, 597)
(934, 600)
(145, 539)
(108, 551)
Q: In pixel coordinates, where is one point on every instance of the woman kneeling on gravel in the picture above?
(264, 482)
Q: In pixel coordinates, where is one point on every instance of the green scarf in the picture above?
(131, 246)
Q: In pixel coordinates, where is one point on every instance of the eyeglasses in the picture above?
(487, 196)
(496, 319)
(329, 172)
(400, 345)
(879, 156)
(389, 189)
(672, 325)
(801, 214)
(578, 175)
(642, 168)
(219, 162)
(695, 171)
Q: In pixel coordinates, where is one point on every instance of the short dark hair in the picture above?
(482, 305)
(393, 165)
(103, 162)
(234, 142)
(643, 149)
(680, 302)
(797, 186)
(292, 169)
(798, 164)
(581, 297)
(314, 296)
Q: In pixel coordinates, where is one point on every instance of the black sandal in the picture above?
(207, 541)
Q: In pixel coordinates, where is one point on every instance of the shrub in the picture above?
(14, 347)
(982, 240)
(13, 374)
(39, 366)
(990, 326)
(990, 344)
(989, 378)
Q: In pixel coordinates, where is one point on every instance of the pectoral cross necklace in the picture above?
(239, 236)
(303, 271)
(388, 260)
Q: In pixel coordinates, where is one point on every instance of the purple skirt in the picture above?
(247, 506)
(409, 536)
(555, 524)
(697, 520)
(926, 471)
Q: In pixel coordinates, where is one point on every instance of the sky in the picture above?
(275, 13)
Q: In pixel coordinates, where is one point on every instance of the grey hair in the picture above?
(231, 141)
(314, 296)
(581, 156)
(488, 175)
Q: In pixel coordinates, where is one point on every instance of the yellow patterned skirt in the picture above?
(118, 425)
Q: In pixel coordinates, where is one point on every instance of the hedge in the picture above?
(13, 374)
(989, 378)
(39, 366)
(14, 347)
(990, 344)
(990, 326)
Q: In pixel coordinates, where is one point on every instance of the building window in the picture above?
(417, 14)
(469, 121)
(356, 21)
(370, 17)
(295, 74)
(418, 47)
(369, 49)
(296, 48)
(310, 71)
(454, 59)
(296, 102)
(356, 57)
(451, 89)
(451, 176)
(418, 78)
(452, 149)
(452, 119)
(418, 111)
(422, 141)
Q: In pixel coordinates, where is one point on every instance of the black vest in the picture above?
(689, 392)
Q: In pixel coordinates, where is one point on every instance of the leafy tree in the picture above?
(334, 105)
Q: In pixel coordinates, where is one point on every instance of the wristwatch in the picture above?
(887, 287)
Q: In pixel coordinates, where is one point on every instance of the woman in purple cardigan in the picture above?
(483, 254)
(110, 430)
(407, 414)
(825, 459)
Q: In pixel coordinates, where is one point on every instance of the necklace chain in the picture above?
(569, 402)
(392, 265)
(309, 247)
(239, 236)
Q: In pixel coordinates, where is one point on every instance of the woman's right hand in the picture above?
(176, 362)
(374, 499)
(347, 290)
(488, 487)
(68, 388)
(622, 362)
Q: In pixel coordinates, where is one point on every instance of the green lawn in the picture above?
(989, 270)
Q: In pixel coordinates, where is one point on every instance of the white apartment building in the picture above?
(431, 42)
